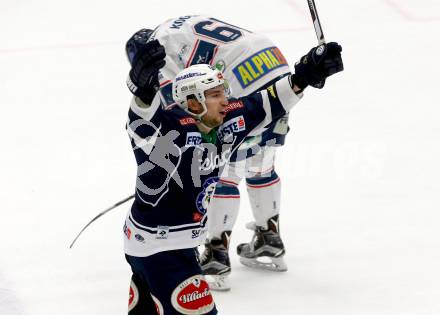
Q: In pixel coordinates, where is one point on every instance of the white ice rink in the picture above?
(360, 171)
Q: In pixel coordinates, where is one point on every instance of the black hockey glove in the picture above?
(320, 63)
(146, 59)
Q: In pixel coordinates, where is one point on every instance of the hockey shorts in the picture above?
(169, 283)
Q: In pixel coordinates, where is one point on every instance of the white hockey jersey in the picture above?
(247, 60)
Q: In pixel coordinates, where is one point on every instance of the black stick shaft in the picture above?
(316, 22)
(100, 215)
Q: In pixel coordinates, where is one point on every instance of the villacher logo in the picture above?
(133, 297)
(193, 296)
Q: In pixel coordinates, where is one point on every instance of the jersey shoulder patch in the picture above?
(187, 121)
(234, 105)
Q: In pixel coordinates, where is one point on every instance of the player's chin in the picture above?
(220, 119)
(216, 121)
(222, 116)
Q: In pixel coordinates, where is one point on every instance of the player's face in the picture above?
(216, 103)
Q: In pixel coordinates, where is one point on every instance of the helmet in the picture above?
(194, 81)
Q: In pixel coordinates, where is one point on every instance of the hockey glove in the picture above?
(136, 43)
(146, 59)
(320, 63)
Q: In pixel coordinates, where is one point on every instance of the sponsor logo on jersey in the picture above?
(159, 307)
(162, 232)
(204, 197)
(236, 124)
(139, 238)
(220, 65)
(193, 296)
(271, 91)
(127, 231)
(197, 217)
(234, 105)
(258, 65)
(193, 139)
(187, 121)
(195, 233)
(181, 54)
(214, 161)
(133, 296)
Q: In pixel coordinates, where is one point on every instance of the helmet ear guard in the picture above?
(194, 81)
(195, 98)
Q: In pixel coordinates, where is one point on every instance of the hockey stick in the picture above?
(316, 22)
(100, 215)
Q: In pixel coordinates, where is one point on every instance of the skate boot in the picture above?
(266, 249)
(215, 262)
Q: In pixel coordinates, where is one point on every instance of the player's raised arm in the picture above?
(146, 59)
(279, 98)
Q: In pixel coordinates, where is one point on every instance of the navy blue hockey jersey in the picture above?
(178, 167)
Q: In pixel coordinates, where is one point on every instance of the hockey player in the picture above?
(180, 151)
(250, 62)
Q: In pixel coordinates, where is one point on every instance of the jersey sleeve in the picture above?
(151, 143)
(262, 108)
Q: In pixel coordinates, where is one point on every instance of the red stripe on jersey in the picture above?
(165, 83)
(213, 55)
(265, 185)
(226, 196)
(192, 54)
(228, 182)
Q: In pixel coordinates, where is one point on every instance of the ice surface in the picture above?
(360, 172)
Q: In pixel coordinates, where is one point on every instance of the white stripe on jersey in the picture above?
(140, 243)
(288, 97)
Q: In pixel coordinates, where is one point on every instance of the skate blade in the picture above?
(267, 263)
(218, 283)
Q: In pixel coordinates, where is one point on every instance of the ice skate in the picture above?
(215, 263)
(266, 249)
